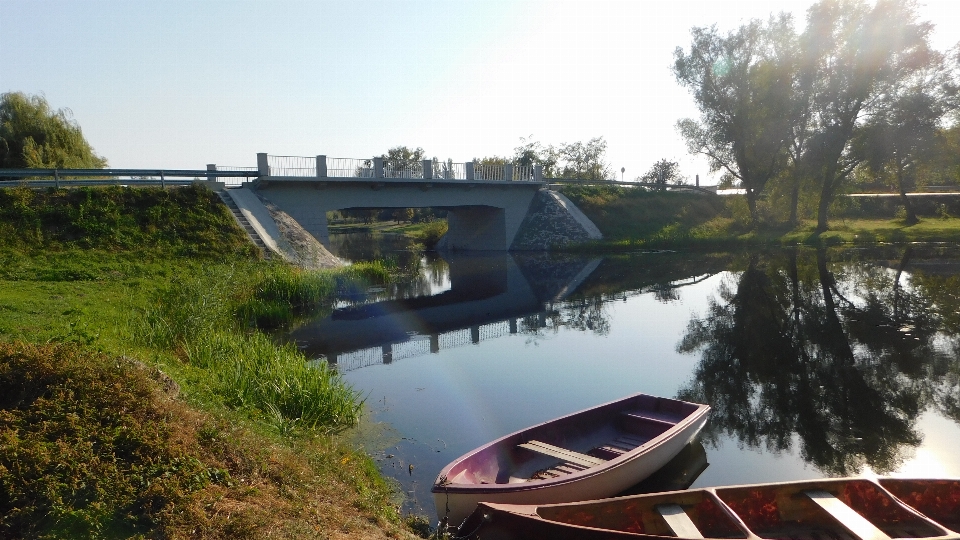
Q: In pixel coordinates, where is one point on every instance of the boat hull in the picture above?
(454, 502)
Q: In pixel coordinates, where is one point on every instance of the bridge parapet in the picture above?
(322, 166)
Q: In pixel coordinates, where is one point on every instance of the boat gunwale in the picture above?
(699, 411)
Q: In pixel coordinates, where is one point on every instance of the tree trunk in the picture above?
(824, 208)
(911, 215)
(795, 200)
(752, 206)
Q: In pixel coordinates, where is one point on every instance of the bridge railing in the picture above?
(234, 181)
(488, 172)
(328, 167)
(292, 166)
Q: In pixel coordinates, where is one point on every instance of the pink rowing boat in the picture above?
(591, 454)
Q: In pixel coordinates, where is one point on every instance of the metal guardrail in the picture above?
(99, 177)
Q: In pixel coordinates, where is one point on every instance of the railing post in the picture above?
(427, 169)
(538, 173)
(321, 166)
(163, 183)
(378, 167)
(468, 170)
(263, 166)
(211, 167)
(508, 172)
(56, 178)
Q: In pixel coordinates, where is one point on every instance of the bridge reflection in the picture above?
(491, 295)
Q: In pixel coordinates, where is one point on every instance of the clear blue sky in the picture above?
(179, 84)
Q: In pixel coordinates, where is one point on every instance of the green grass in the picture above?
(247, 447)
(184, 221)
(635, 219)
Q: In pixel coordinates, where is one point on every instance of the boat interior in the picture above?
(573, 444)
(937, 499)
(816, 510)
(826, 510)
(691, 514)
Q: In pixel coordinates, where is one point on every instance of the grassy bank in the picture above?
(637, 219)
(426, 233)
(139, 398)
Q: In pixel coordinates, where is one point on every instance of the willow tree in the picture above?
(854, 55)
(742, 83)
(33, 135)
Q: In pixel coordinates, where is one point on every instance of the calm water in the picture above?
(816, 363)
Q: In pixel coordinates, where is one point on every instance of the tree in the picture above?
(32, 135)
(853, 54)
(743, 86)
(584, 161)
(401, 158)
(907, 127)
(531, 153)
(662, 173)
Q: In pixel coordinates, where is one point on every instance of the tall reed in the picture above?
(202, 319)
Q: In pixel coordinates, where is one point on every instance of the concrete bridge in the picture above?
(486, 206)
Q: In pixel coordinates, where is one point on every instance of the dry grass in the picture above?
(101, 447)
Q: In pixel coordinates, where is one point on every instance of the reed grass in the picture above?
(204, 319)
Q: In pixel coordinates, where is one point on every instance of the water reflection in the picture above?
(816, 362)
(490, 295)
(839, 358)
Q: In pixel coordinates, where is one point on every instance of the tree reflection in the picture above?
(842, 363)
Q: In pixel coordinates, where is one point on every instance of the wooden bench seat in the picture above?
(562, 453)
(678, 521)
(651, 417)
(848, 517)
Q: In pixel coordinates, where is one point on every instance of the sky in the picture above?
(178, 84)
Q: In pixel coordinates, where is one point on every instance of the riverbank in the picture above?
(139, 398)
(637, 219)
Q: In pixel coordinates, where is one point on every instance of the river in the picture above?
(816, 362)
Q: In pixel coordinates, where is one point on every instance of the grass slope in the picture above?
(633, 218)
(94, 334)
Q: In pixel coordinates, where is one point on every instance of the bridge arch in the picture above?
(482, 215)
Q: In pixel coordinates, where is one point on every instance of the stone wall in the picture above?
(553, 221)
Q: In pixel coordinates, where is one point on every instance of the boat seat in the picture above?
(562, 453)
(650, 418)
(846, 516)
(678, 521)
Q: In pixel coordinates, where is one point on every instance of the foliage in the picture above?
(663, 172)
(186, 221)
(853, 54)
(32, 135)
(401, 158)
(584, 161)
(430, 234)
(906, 129)
(531, 152)
(800, 114)
(742, 84)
